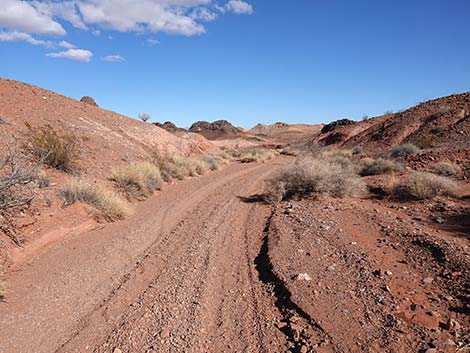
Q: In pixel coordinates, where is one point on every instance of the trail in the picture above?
(205, 267)
(177, 275)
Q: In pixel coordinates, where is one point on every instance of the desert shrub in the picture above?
(446, 168)
(138, 180)
(18, 177)
(182, 167)
(111, 205)
(57, 149)
(310, 175)
(144, 117)
(404, 150)
(358, 150)
(258, 155)
(422, 186)
(369, 166)
(214, 161)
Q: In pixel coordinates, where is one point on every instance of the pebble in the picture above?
(303, 277)
(117, 350)
(428, 280)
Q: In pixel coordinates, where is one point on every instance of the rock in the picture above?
(303, 349)
(382, 301)
(303, 277)
(439, 220)
(165, 333)
(428, 280)
(432, 350)
(117, 350)
(425, 320)
(88, 100)
(452, 325)
(415, 307)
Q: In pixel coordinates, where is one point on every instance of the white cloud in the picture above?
(16, 36)
(73, 54)
(203, 14)
(151, 42)
(66, 45)
(22, 16)
(113, 58)
(239, 7)
(21, 19)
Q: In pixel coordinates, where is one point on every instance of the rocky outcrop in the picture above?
(218, 130)
(88, 100)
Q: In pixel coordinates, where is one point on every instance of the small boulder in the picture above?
(88, 100)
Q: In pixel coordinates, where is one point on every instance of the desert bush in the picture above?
(310, 175)
(138, 180)
(358, 150)
(144, 117)
(446, 168)
(404, 150)
(111, 205)
(18, 177)
(57, 149)
(258, 155)
(214, 161)
(422, 186)
(368, 166)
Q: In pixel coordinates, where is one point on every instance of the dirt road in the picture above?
(205, 267)
(177, 276)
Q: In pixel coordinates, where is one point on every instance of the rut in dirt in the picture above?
(297, 325)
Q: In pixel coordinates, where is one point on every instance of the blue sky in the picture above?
(250, 61)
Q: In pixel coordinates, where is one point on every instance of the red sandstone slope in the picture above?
(442, 122)
(106, 137)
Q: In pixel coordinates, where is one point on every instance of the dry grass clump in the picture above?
(404, 150)
(369, 166)
(423, 186)
(57, 149)
(258, 155)
(310, 175)
(183, 167)
(446, 168)
(215, 161)
(108, 202)
(138, 180)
